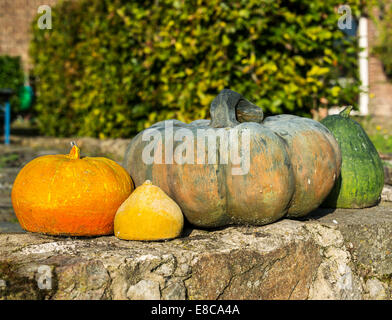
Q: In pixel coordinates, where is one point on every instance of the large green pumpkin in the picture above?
(362, 175)
(293, 165)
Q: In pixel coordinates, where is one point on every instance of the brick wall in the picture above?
(15, 23)
(380, 88)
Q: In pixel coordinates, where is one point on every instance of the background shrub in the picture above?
(114, 67)
(12, 77)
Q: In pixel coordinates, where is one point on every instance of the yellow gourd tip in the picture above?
(147, 182)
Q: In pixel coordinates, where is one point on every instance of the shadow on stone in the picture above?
(317, 214)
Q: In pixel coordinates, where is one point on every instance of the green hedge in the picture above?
(112, 68)
(12, 77)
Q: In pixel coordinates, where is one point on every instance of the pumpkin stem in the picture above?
(74, 154)
(346, 112)
(229, 104)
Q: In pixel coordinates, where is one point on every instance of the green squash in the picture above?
(362, 176)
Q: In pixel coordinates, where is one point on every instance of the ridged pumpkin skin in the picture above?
(148, 214)
(315, 157)
(209, 195)
(66, 195)
(362, 175)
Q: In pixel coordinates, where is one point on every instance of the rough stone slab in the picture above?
(367, 234)
(331, 255)
(387, 193)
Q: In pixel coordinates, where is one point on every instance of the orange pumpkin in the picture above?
(69, 195)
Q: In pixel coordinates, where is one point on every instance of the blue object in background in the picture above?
(7, 122)
(5, 95)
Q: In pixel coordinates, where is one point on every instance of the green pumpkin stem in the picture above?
(346, 112)
(225, 106)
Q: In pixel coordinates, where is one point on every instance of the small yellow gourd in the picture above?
(148, 214)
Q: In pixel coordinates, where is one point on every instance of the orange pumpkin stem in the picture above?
(74, 154)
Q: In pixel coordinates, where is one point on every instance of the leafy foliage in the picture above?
(11, 77)
(114, 67)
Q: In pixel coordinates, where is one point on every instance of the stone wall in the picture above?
(333, 254)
